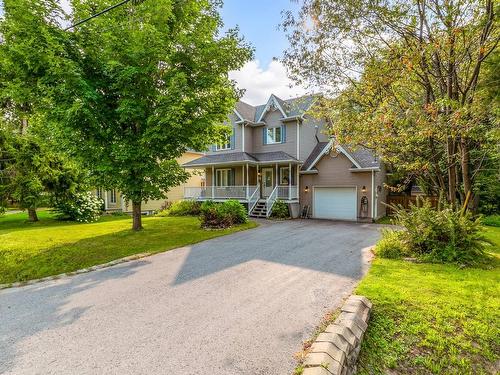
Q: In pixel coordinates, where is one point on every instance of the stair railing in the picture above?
(254, 198)
(270, 201)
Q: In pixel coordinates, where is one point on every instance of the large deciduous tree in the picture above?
(34, 60)
(406, 78)
(153, 84)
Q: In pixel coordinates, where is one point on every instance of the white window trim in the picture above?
(270, 141)
(217, 181)
(112, 198)
(282, 183)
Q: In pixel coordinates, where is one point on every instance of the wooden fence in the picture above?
(405, 200)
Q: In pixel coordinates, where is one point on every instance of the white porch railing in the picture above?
(287, 192)
(218, 192)
(254, 198)
(270, 201)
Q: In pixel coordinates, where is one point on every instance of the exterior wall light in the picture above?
(306, 189)
(363, 189)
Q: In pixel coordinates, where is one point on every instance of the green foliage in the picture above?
(81, 207)
(417, 83)
(280, 210)
(391, 245)
(51, 247)
(222, 215)
(492, 221)
(441, 235)
(431, 318)
(152, 82)
(182, 208)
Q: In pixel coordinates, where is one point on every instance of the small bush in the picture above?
(182, 208)
(280, 210)
(392, 245)
(82, 207)
(441, 235)
(222, 215)
(492, 221)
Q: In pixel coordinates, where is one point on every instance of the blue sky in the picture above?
(258, 21)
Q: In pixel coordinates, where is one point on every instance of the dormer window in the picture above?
(273, 135)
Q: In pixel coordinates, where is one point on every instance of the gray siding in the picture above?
(308, 132)
(237, 137)
(273, 119)
(335, 172)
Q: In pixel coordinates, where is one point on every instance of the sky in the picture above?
(258, 22)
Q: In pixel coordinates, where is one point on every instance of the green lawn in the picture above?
(432, 318)
(50, 247)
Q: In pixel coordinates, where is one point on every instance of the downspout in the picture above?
(298, 140)
(373, 196)
(243, 137)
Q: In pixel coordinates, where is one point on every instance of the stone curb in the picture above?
(77, 272)
(335, 351)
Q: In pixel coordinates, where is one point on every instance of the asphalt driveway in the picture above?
(239, 304)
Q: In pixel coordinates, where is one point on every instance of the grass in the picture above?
(433, 318)
(50, 247)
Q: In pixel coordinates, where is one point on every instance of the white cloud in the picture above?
(260, 82)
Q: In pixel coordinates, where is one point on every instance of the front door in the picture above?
(267, 182)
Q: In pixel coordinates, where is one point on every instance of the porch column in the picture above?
(276, 180)
(298, 180)
(257, 180)
(213, 181)
(289, 180)
(105, 200)
(247, 180)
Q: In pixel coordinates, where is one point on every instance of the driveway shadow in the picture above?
(321, 245)
(27, 311)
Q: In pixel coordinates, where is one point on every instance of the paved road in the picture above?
(240, 304)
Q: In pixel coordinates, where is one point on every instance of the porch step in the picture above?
(259, 210)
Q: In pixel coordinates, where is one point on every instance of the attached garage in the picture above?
(335, 203)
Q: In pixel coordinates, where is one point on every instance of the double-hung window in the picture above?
(274, 135)
(112, 199)
(284, 175)
(225, 145)
(223, 177)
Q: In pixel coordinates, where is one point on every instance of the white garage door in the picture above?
(335, 203)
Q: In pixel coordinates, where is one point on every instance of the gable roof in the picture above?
(245, 111)
(288, 108)
(362, 158)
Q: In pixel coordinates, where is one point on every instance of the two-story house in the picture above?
(278, 151)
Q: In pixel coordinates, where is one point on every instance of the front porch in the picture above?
(249, 178)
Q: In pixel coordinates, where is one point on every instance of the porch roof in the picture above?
(242, 158)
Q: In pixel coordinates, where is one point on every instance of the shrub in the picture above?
(392, 245)
(492, 221)
(280, 210)
(441, 235)
(222, 215)
(182, 208)
(82, 207)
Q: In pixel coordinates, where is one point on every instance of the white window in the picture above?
(99, 193)
(112, 198)
(284, 175)
(223, 177)
(224, 146)
(273, 135)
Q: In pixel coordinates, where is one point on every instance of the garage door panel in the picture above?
(335, 203)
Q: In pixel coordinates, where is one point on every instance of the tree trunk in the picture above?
(32, 215)
(452, 172)
(466, 178)
(136, 216)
